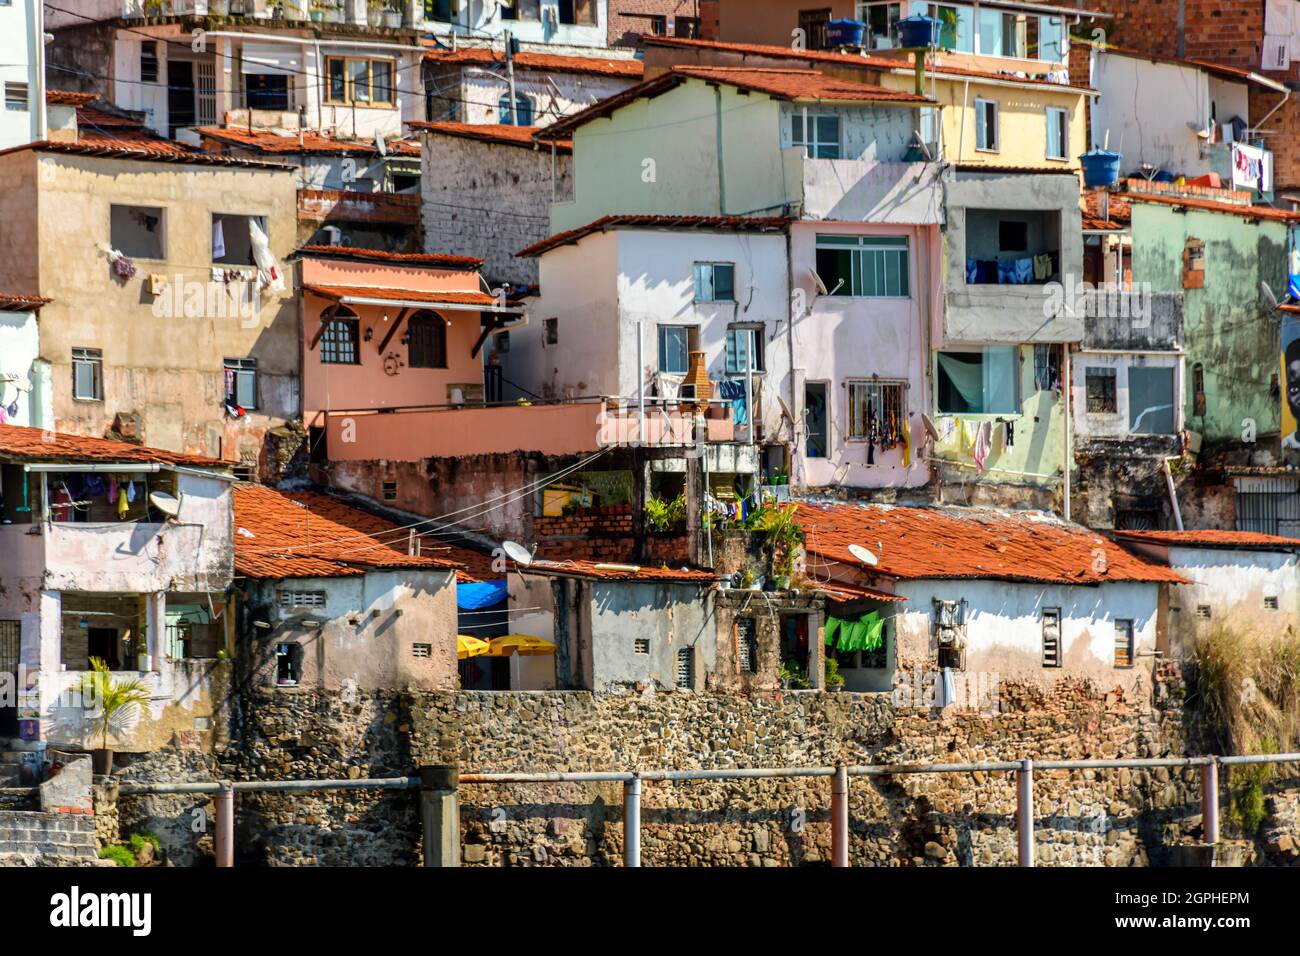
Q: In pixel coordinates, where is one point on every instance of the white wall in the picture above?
(554, 95)
(484, 16)
(19, 347)
(1233, 584)
(20, 55)
(1116, 425)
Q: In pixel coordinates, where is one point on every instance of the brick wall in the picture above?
(623, 29)
(488, 200)
(1221, 32)
(709, 19)
(62, 835)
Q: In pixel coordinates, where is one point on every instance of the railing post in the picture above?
(840, 816)
(632, 821)
(225, 837)
(440, 814)
(1210, 801)
(1025, 811)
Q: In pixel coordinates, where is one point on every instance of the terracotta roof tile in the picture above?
(621, 572)
(1217, 69)
(69, 98)
(1210, 205)
(845, 593)
(337, 292)
(1120, 213)
(13, 302)
(699, 223)
(20, 443)
(500, 133)
(143, 149)
(269, 141)
(972, 543)
(542, 62)
(395, 258)
(309, 534)
(1211, 539)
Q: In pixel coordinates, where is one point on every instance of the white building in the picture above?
(560, 22)
(22, 72)
(24, 376)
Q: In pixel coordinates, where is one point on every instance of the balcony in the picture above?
(354, 13)
(560, 428)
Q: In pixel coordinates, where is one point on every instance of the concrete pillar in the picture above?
(840, 817)
(1025, 811)
(225, 836)
(156, 624)
(1210, 802)
(632, 822)
(440, 814)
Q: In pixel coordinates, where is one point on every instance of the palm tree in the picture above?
(113, 697)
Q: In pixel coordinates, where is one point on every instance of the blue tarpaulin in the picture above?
(476, 597)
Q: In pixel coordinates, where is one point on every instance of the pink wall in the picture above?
(368, 385)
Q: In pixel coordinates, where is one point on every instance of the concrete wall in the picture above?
(1117, 424)
(368, 629)
(854, 190)
(478, 18)
(473, 94)
(20, 52)
(489, 200)
(19, 348)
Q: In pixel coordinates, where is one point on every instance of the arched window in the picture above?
(427, 341)
(340, 342)
(523, 113)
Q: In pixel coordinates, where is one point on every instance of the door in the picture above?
(180, 96)
(10, 644)
(103, 643)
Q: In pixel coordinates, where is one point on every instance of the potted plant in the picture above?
(112, 698)
(375, 12)
(219, 8)
(295, 9)
(748, 579)
(143, 662)
(834, 679)
(393, 15)
(792, 676)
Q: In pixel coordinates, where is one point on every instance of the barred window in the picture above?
(1123, 643)
(877, 412)
(338, 346)
(427, 341)
(1102, 395)
(747, 645)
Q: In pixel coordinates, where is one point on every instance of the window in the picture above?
(288, 664)
(149, 61)
(747, 645)
(1270, 602)
(232, 238)
(1047, 367)
(1150, 400)
(292, 599)
(675, 348)
(1194, 264)
(551, 332)
(1269, 505)
(1198, 389)
(1203, 612)
(815, 419)
(501, 342)
(578, 12)
(658, 25)
(137, 231)
(1137, 519)
(389, 490)
(522, 10)
(978, 383)
(817, 133)
(1051, 637)
(744, 349)
(715, 282)
(266, 91)
(877, 412)
(880, 19)
(426, 345)
(422, 650)
(1123, 643)
(813, 24)
(986, 125)
(523, 113)
(956, 31)
(950, 631)
(1058, 133)
(359, 81)
(1101, 391)
(241, 382)
(685, 668)
(687, 27)
(88, 375)
(338, 344)
(864, 266)
(448, 10)
(1013, 235)
(16, 97)
(1052, 39)
(641, 645)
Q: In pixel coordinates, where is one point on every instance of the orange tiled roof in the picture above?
(1121, 213)
(1217, 69)
(13, 302)
(141, 148)
(865, 61)
(843, 592)
(621, 572)
(500, 133)
(396, 258)
(69, 98)
(972, 543)
(1211, 539)
(1210, 205)
(268, 141)
(634, 221)
(318, 537)
(542, 62)
(20, 443)
(338, 292)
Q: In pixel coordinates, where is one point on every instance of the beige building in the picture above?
(169, 327)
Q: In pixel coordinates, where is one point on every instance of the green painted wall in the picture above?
(678, 131)
(1227, 327)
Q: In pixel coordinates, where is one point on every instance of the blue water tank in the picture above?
(918, 31)
(845, 32)
(1100, 168)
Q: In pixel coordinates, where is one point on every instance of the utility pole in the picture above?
(510, 75)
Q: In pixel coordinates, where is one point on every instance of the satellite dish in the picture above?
(169, 505)
(1270, 299)
(863, 555)
(821, 286)
(517, 553)
(930, 429)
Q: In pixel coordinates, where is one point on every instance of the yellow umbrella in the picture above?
(467, 647)
(522, 644)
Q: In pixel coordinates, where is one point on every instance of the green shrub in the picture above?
(118, 854)
(137, 842)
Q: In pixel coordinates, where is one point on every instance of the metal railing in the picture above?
(439, 794)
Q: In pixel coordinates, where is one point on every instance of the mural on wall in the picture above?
(1291, 378)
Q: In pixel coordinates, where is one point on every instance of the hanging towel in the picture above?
(122, 506)
(1023, 270)
(130, 491)
(1011, 434)
(907, 444)
(111, 495)
(983, 443)
(1042, 267)
(218, 240)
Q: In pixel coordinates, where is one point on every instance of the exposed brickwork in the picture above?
(624, 29)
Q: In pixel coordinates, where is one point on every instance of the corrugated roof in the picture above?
(501, 134)
(299, 534)
(619, 572)
(14, 302)
(395, 258)
(338, 292)
(306, 143)
(542, 62)
(1212, 539)
(972, 543)
(697, 223)
(20, 443)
